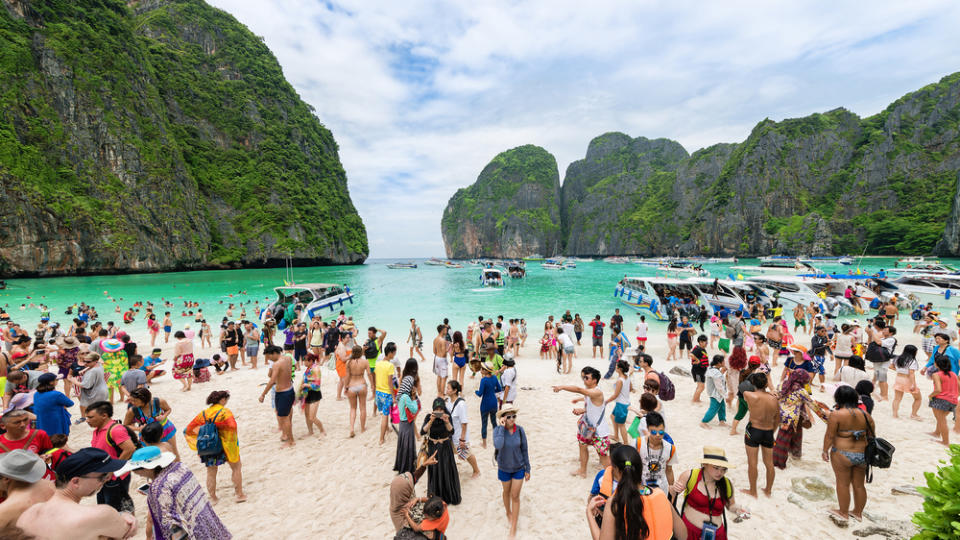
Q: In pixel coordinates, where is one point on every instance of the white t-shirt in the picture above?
(852, 375)
(655, 462)
(889, 343)
(458, 417)
(568, 329)
(565, 340)
(844, 346)
(509, 378)
(912, 365)
(641, 329)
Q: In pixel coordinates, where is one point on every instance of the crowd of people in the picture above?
(101, 367)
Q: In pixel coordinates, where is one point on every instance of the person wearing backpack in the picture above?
(213, 435)
(593, 428)
(707, 495)
(115, 439)
(880, 346)
(844, 446)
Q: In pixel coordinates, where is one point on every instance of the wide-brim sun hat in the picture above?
(111, 345)
(716, 456)
(487, 366)
(22, 466)
(507, 409)
(70, 342)
(148, 457)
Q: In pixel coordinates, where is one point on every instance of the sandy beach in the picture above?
(332, 486)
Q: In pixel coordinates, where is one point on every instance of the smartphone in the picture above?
(144, 489)
(709, 531)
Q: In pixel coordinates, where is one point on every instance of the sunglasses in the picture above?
(658, 432)
(509, 416)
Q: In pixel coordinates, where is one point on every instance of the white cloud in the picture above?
(420, 95)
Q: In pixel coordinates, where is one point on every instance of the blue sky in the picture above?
(420, 95)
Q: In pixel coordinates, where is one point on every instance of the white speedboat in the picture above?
(936, 288)
(491, 277)
(846, 261)
(433, 261)
(402, 266)
(300, 303)
(617, 260)
(913, 261)
(569, 264)
(681, 268)
(792, 290)
(516, 270)
(776, 268)
(927, 268)
(552, 264)
(451, 264)
(665, 298)
(778, 258)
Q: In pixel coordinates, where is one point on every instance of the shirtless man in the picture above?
(774, 340)
(22, 479)
(441, 351)
(79, 475)
(167, 327)
(415, 339)
(513, 338)
(281, 377)
(764, 417)
(799, 318)
(357, 368)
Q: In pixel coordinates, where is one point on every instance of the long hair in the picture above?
(907, 355)
(738, 358)
(458, 341)
(627, 503)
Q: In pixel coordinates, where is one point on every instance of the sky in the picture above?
(420, 95)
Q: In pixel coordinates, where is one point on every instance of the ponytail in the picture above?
(627, 502)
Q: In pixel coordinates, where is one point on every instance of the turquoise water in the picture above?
(384, 297)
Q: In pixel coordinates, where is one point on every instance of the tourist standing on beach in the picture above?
(708, 494)
(251, 338)
(565, 343)
(794, 419)
(281, 378)
(222, 417)
(596, 326)
(341, 355)
(906, 365)
(943, 398)
(489, 387)
(592, 429)
(444, 480)
(508, 380)
(513, 462)
(621, 399)
(844, 444)
(50, 406)
(716, 387)
(699, 364)
(407, 406)
(183, 360)
(619, 343)
(357, 369)
(112, 437)
(759, 436)
(673, 333)
(384, 371)
(232, 339)
(578, 325)
(415, 339)
(457, 408)
(458, 349)
(146, 409)
(441, 351)
(310, 392)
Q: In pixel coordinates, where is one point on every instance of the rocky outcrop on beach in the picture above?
(512, 210)
(158, 135)
(828, 183)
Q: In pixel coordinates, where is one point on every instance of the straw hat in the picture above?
(507, 409)
(487, 366)
(70, 342)
(716, 456)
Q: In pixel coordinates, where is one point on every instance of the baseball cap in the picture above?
(86, 461)
(22, 465)
(47, 378)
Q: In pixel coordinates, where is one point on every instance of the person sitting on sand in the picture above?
(759, 434)
(62, 516)
(593, 429)
(844, 444)
(218, 413)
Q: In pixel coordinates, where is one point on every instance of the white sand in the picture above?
(332, 486)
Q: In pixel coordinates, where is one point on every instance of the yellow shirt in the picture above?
(383, 371)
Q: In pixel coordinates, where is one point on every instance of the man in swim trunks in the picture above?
(167, 327)
(799, 318)
(384, 372)
(281, 377)
(764, 418)
(441, 351)
(594, 415)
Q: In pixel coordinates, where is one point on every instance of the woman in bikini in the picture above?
(844, 444)
(673, 336)
(459, 349)
(357, 367)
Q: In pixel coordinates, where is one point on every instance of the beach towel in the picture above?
(226, 427)
(115, 364)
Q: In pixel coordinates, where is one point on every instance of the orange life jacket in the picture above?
(657, 512)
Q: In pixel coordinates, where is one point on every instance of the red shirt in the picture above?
(38, 445)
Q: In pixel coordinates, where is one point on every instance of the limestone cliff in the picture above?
(156, 135)
(825, 183)
(512, 210)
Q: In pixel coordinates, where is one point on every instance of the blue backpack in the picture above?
(208, 438)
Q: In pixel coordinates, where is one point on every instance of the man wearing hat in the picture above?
(22, 479)
(79, 475)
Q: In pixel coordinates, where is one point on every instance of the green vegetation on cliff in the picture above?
(167, 119)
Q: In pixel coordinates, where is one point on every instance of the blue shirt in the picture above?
(807, 365)
(149, 361)
(489, 386)
(512, 455)
(595, 488)
(952, 353)
(52, 417)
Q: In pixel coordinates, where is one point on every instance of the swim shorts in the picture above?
(252, 351)
(384, 403)
(569, 349)
(620, 413)
(597, 341)
(440, 366)
(602, 444)
(505, 476)
(167, 329)
(284, 401)
(818, 362)
(754, 437)
(699, 374)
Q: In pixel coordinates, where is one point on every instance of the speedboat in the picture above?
(665, 298)
(911, 261)
(433, 261)
(516, 270)
(451, 264)
(935, 288)
(927, 268)
(300, 303)
(491, 277)
(791, 291)
(778, 258)
(617, 260)
(846, 261)
(402, 265)
(552, 264)
(534, 257)
(682, 268)
(569, 264)
(776, 267)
